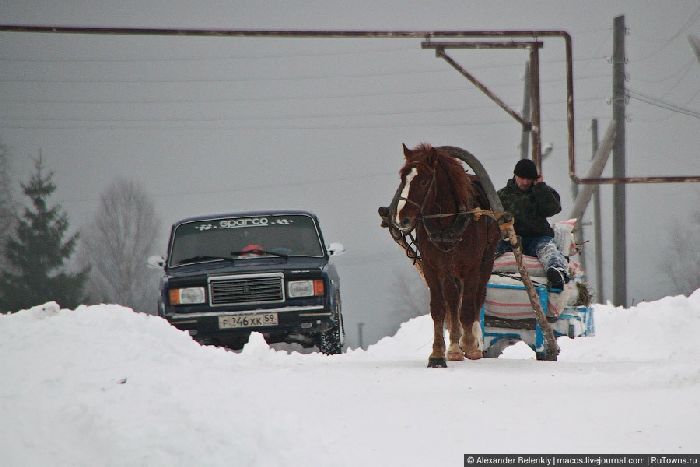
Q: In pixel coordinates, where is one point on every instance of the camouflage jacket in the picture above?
(530, 208)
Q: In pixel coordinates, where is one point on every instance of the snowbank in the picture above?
(666, 329)
(102, 385)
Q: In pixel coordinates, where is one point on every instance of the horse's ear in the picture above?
(408, 154)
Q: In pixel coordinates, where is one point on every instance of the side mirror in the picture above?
(155, 262)
(336, 249)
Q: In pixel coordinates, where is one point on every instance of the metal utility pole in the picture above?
(585, 193)
(596, 222)
(525, 138)
(620, 189)
(360, 339)
(578, 231)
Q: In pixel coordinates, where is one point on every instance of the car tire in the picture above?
(331, 342)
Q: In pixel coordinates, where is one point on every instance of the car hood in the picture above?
(249, 265)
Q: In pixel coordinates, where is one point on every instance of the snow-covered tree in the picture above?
(116, 245)
(36, 252)
(682, 258)
(412, 296)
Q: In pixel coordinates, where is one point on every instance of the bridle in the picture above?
(445, 239)
(421, 206)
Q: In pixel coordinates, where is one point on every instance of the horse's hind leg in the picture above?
(453, 305)
(472, 341)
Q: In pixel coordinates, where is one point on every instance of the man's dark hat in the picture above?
(526, 168)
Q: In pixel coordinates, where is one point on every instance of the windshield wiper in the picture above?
(201, 258)
(258, 253)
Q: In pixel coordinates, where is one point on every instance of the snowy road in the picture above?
(102, 385)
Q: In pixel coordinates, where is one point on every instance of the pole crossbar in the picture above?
(482, 45)
(621, 180)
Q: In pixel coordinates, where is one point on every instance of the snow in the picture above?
(103, 385)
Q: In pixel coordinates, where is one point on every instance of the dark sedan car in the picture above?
(228, 275)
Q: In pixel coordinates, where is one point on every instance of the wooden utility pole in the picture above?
(619, 189)
(695, 44)
(525, 138)
(536, 132)
(596, 223)
(599, 160)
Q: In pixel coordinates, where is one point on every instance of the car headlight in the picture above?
(187, 296)
(307, 288)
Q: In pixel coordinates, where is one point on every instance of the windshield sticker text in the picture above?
(243, 223)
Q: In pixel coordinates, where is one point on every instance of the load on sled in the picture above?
(507, 316)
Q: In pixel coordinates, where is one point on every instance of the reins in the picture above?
(421, 206)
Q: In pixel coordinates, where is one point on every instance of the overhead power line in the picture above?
(12, 121)
(275, 98)
(689, 22)
(255, 79)
(655, 101)
(293, 56)
(200, 58)
(682, 72)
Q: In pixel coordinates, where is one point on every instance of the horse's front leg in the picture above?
(437, 312)
(437, 357)
(453, 305)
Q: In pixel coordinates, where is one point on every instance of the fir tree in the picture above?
(7, 205)
(37, 252)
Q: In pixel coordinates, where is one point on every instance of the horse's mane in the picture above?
(462, 183)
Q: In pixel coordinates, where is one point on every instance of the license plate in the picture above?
(250, 320)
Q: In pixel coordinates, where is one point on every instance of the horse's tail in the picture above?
(485, 183)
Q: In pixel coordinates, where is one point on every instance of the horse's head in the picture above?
(417, 180)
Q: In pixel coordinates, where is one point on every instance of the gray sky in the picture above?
(216, 124)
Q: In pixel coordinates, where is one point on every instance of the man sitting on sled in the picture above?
(531, 201)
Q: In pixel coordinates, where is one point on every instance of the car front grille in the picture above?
(248, 289)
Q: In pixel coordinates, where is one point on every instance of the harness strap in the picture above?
(448, 237)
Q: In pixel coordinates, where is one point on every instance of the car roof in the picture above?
(209, 217)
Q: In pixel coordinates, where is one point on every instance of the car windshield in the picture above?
(233, 237)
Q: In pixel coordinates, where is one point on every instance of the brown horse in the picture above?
(456, 249)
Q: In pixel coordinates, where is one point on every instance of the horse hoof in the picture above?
(475, 354)
(437, 362)
(455, 356)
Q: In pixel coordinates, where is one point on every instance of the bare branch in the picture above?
(116, 245)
